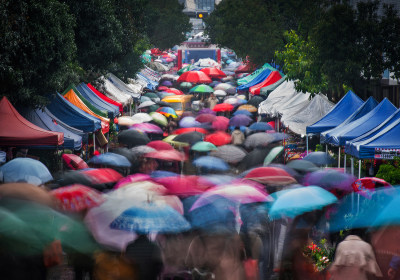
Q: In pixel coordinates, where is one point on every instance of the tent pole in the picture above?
(94, 142)
(344, 164)
(307, 143)
(352, 165)
(339, 158)
(359, 168)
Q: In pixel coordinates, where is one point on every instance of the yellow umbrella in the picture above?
(247, 107)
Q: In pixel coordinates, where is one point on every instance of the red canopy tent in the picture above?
(272, 78)
(17, 131)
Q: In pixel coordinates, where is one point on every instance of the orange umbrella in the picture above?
(247, 107)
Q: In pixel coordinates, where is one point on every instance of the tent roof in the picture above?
(17, 131)
(253, 75)
(342, 110)
(293, 105)
(280, 95)
(106, 98)
(273, 77)
(258, 79)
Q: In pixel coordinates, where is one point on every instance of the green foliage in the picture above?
(320, 254)
(389, 173)
(319, 148)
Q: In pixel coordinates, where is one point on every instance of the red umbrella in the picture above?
(194, 77)
(77, 197)
(102, 175)
(74, 162)
(184, 185)
(366, 185)
(162, 88)
(174, 91)
(245, 68)
(160, 145)
(205, 118)
(168, 155)
(220, 123)
(190, 129)
(219, 138)
(214, 72)
(270, 175)
(223, 107)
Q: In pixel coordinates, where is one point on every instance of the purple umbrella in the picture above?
(147, 128)
(240, 120)
(189, 122)
(166, 83)
(330, 179)
(207, 111)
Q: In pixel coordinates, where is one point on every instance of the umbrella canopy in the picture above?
(194, 77)
(186, 85)
(213, 72)
(159, 118)
(205, 118)
(132, 138)
(174, 91)
(255, 101)
(365, 186)
(243, 112)
(211, 163)
(220, 93)
(219, 138)
(134, 178)
(240, 120)
(146, 104)
(223, 107)
(163, 94)
(167, 111)
(126, 153)
(204, 146)
(25, 170)
(159, 145)
(168, 155)
(141, 150)
(320, 158)
(170, 140)
(128, 121)
(166, 83)
(74, 162)
(186, 68)
(260, 126)
(260, 139)
(190, 129)
(27, 192)
(293, 202)
(220, 123)
(162, 88)
(189, 137)
(254, 159)
(102, 175)
(302, 166)
(147, 128)
(141, 117)
(201, 89)
(153, 96)
(275, 152)
(150, 218)
(206, 111)
(223, 86)
(184, 185)
(330, 180)
(248, 107)
(77, 197)
(110, 159)
(189, 122)
(271, 176)
(229, 153)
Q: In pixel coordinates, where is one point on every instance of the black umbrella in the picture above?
(255, 101)
(231, 91)
(302, 166)
(189, 137)
(132, 138)
(126, 153)
(75, 177)
(229, 153)
(254, 158)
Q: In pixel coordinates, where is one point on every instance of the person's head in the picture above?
(394, 265)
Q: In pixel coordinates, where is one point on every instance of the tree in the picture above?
(166, 24)
(390, 30)
(37, 49)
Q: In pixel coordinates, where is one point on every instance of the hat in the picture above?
(395, 262)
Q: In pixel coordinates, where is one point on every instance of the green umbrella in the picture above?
(276, 151)
(202, 89)
(204, 146)
(152, 95)
(159, 118)
(185, 69)
(153, 108)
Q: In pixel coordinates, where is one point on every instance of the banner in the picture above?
(386, 153)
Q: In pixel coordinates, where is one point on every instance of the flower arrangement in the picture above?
(321, 255)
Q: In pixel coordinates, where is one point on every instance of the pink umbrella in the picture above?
(184, 185)
(159, 145)
(239, 192)
(205, 118)
(138, 177)
(168, 155)
(147, 128)
(220, 123)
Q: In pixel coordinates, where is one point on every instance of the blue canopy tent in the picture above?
(41, 119)
(364, 124)
(84, 90)
(260, 78)
(342, 110)
(72, 115)
(368, 105)
(151, 85)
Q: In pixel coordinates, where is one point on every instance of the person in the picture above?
(237, 137)
(172, 125)
(393, 271)
(354, 259)
(212, 101)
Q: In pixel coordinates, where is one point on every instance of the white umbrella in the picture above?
(146, 104)
(220, 92)
(142, 117)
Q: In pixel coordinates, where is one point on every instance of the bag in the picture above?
(251, 269)
(52, 254)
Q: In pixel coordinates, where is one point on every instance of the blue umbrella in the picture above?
(25, 170)
(240, 120)
(151, 218)
(162, 173)
(211, 163)
(390, 213)
(163, 94)
(243, 112)
(320, 158)
(189, 122)
(110, 159)
(260, 126)
(166, 83)
(294, 202)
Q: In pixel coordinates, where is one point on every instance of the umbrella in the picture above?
(74, 162)
(124, 152)
(163, 104)
(189, 137)
(247, 107)
(213, 72)
(170, 140)
(365, 186)
(150, 218)
(153, 96)
(206, 111)
(320, 158)
(141, 117)
(220, 123)
(231, 90)
(76, 198)
(162, 88)
(223, 107)
(152, 108)
(204, 146)
(243, 112)
(205, 118)
(219, 138)
(190, 129)
(229, 153)
(260, 126)
(294, 202)
(188, 122)
(232, 100)
(146, 104)
(167, 111)
(132, 138)
(194, 77)
(159, 118)
(220, 93)
(134, 178)
(159, 145)
(271, 176)
(174, 91)
(275, 152)
(26, 192)
(168, 155)
(102, 175)
(184, 185)
(162, 173)
(147, 128)
(144, 98)
(240, 120)
(186, 85)
(201, 89)
(110, 159)
(166, 83)
(25, 170)
(223, 86)
(255, 101)
(163, 94)
(330, 180)
(141, 150)
(186, 68)
(211, 163)
(128, 121)
(260, 139)
(302, 166)
(255, 158)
